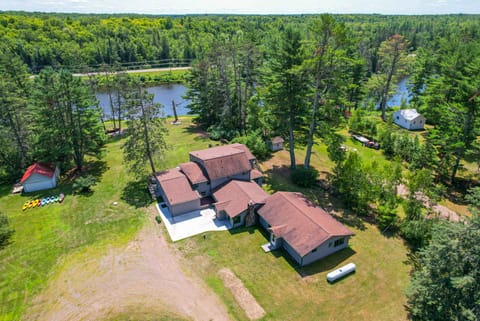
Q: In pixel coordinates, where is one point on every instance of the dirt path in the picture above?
(245, 299)
(443, 212)
(145, 275)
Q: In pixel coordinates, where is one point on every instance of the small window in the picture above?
(414, 122)
(208, 183)
(398, 117)
(314, 250)
(330, 244)
(236, 219)
(339, 242)
(203, 193)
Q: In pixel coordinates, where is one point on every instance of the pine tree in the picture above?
(145, 131)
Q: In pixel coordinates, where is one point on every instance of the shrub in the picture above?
(5, 230)
(255, 143)
(84, 184)
(304, 177)
(158, 218)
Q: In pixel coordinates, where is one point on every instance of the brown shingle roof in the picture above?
(223, 161)
(193, 172)
(176, 187)
(245, 149)
(255, 173)
(277, 140)
(304, 225)
(234, 196)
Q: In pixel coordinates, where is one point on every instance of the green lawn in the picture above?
(287, 292)
(43, 236)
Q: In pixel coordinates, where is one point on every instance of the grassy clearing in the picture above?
(43, 235)
(151, 78)
(46, 237)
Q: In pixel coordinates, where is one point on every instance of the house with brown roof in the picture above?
(237, 199)
(226, 175)
(177, 192)
(307, 232)
(208, 170)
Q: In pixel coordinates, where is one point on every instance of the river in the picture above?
(402, 92)
(163, 94)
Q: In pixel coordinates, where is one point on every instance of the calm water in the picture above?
(163, 94)
(402, 92)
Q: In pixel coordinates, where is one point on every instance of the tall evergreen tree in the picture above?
(67, 120)
(446, 286)
(450, 101)
(391, 55)
(328, 37)
(14, 114)
(145, 130)
(285, 88)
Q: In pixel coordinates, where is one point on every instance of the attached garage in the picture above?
(40, 176)
(177, 192)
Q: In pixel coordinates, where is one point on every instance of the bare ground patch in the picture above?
(244, 298)
(145, 275)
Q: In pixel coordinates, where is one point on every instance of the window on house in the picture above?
(237, 219)
(208, 183)
(314, 250)
(414, 122)
(330, 244)
(203, 193)
(398, 117)
(338, 242)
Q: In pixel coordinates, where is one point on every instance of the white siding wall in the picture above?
(417, 123)
(325, 249)
(276, 147)
(38, 182)
(183, 208)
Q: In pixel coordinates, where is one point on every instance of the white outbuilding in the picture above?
(409, 119)
(40, 176)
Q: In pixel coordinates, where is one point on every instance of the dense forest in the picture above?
(307, 78)
(88, 41)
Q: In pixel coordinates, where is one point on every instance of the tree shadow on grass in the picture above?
(199, 132)
(249, 230)
(136, 194)
(96, 168)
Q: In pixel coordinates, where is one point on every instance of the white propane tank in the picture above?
(341, 272)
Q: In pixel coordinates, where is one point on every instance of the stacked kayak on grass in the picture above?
(43, 201)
